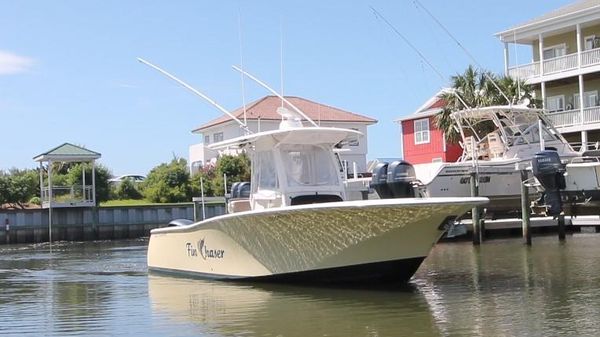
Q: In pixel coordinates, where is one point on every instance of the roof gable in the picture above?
(266, 109)
(69, 152)
(431, 107)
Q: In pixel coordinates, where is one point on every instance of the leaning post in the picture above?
(526, 224)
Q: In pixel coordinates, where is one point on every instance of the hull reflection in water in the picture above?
(285, 310)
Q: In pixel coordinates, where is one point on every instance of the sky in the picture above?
(68, 68)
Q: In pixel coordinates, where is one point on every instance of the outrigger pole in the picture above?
(187, 86)
(276, 94)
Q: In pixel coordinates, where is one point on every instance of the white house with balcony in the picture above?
(261, 115)
(565, 67)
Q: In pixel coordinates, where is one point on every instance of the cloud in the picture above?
(13, 64)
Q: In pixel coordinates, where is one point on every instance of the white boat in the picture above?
(297, 225)
(498, 142)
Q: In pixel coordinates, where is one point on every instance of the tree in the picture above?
(476, 89)
(236, 168)
(208, 175)
(127, 189)
(168, 182)
(17, 187)
(74, 176)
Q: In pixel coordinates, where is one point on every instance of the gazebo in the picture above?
(83, 195)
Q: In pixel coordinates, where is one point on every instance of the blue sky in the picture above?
(68, 69)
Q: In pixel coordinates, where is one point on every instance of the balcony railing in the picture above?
(561, 63)
(66, 195)
(590, 57)
(556, 65)
(574, 117)
(526, 71)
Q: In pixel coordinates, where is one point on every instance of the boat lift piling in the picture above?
(475, 211)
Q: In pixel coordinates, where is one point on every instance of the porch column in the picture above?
(541, 51)
(94, 182)
(543, 85)
(581, 100)
(506, 58)
(584, 141)
(579, 49)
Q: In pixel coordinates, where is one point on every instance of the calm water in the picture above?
(501, 289)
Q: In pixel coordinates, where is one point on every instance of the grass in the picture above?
(128, 202)
(144, 202)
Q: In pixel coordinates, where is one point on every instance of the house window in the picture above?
(590, 42)
(218, 137)
(206, 140)
(555, 103)
(590, 98)
(555, 51)
(422, 131)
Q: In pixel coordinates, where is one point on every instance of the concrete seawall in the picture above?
(100, 223)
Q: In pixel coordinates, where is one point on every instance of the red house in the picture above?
(421, 141)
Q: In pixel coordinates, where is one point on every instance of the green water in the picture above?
(499, 289)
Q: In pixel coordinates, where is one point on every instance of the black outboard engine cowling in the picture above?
(243, 190)
(400, 179)
(379, 181)
(549, 171)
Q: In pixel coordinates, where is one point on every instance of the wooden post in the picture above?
(475, 211)
(561, 227)
(526, 225)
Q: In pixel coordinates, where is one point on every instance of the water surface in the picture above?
(502, 288)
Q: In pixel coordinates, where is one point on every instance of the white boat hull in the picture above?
(331, 242)
(500, 181)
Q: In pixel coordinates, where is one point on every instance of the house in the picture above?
(261, 115)
(565, 70)
(421, 141)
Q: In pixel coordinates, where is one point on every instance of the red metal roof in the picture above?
(266, 109)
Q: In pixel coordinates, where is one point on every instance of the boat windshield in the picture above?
(308, 165)
(263, 171)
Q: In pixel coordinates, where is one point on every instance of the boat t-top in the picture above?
(498, 142)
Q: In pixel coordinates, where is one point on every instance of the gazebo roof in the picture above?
(67, 152)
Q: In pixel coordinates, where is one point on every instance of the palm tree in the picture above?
(478, 89)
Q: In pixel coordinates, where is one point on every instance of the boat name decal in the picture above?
(201, 249)
(482, 179)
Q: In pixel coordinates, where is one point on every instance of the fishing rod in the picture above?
(189, 87)
(264, 85)
(418, 4)
(380, 16)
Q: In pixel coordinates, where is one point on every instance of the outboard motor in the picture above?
(379, 181)
(243, 190)
(400, 179)
(234, 190)
(549, 171)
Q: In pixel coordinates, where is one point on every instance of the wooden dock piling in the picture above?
(526, 223)
(561, 227)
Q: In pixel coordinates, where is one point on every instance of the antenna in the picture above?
(281, 55)
(276, 94)
(380, 16)
(190, 88)
(242, 65)
(463, 48)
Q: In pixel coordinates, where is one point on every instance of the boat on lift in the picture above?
(499, 141)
